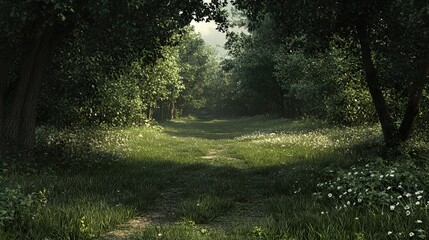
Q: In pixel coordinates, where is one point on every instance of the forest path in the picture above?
(210, 143)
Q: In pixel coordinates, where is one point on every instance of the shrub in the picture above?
(17, 209)
(397, 186)
(78, 149)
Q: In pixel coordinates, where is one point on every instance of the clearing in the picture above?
(242, 178)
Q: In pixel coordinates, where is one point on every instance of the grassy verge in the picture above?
(246, 178)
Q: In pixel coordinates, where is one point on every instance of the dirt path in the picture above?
(167, 207)
(164, 212)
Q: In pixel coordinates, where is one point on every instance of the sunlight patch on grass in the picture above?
(97, 180)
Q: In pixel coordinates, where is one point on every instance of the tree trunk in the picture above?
(161, 112)
(4, 69)
(149, 112)
(20, 121)
(173, 110)
(282, 102)
(389, 129)
(414, 97)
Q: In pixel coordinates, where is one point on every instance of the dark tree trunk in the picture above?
(389, 129)
(18, 131)
(414, 97)
(282, 102)
(4, 69)
(162, 112)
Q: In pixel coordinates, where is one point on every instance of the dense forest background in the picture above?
(268, 70)
(120, 64)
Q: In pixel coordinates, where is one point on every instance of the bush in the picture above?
(399, 187)
(18, 210)
(78, 149)
(325, 86)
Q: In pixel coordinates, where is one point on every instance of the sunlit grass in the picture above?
(244, 178)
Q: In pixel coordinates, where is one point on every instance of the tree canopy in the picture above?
(118, 31)
(122, 62)
(389, 37)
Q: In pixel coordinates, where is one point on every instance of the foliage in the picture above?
(221, 92)
(115, 33)
(399, 185)
(112, 93)
(252, 69)
(324, 86)
(161, 82)
(79, 149)
(198, 68)
(105, 97)
(18, 210)
(281, 77)
(392, 188)
(370, 32)
(118, 95)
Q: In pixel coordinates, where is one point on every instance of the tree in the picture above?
(31, 30)
(253, 69)
(382, 29)
(328, 86)
(161, 84)
(198, 66)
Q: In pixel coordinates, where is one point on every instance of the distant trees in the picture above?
(389, 38)
(199, 65)
(161, 85)
(283, 78)
(121, 62)
(252, 67)
(113, 32)
(162, 88)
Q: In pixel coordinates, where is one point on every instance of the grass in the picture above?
(243, 178)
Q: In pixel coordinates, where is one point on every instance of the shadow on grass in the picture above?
(208, 129)
(104, 187)
(230, 128)
(140, 184)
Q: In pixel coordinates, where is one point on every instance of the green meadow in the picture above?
(241, 178)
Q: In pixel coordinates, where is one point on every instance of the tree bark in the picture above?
(4, 69)
(149, 112)
(389, 129)
(173, 112)
(414, 98)
(20, 121)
